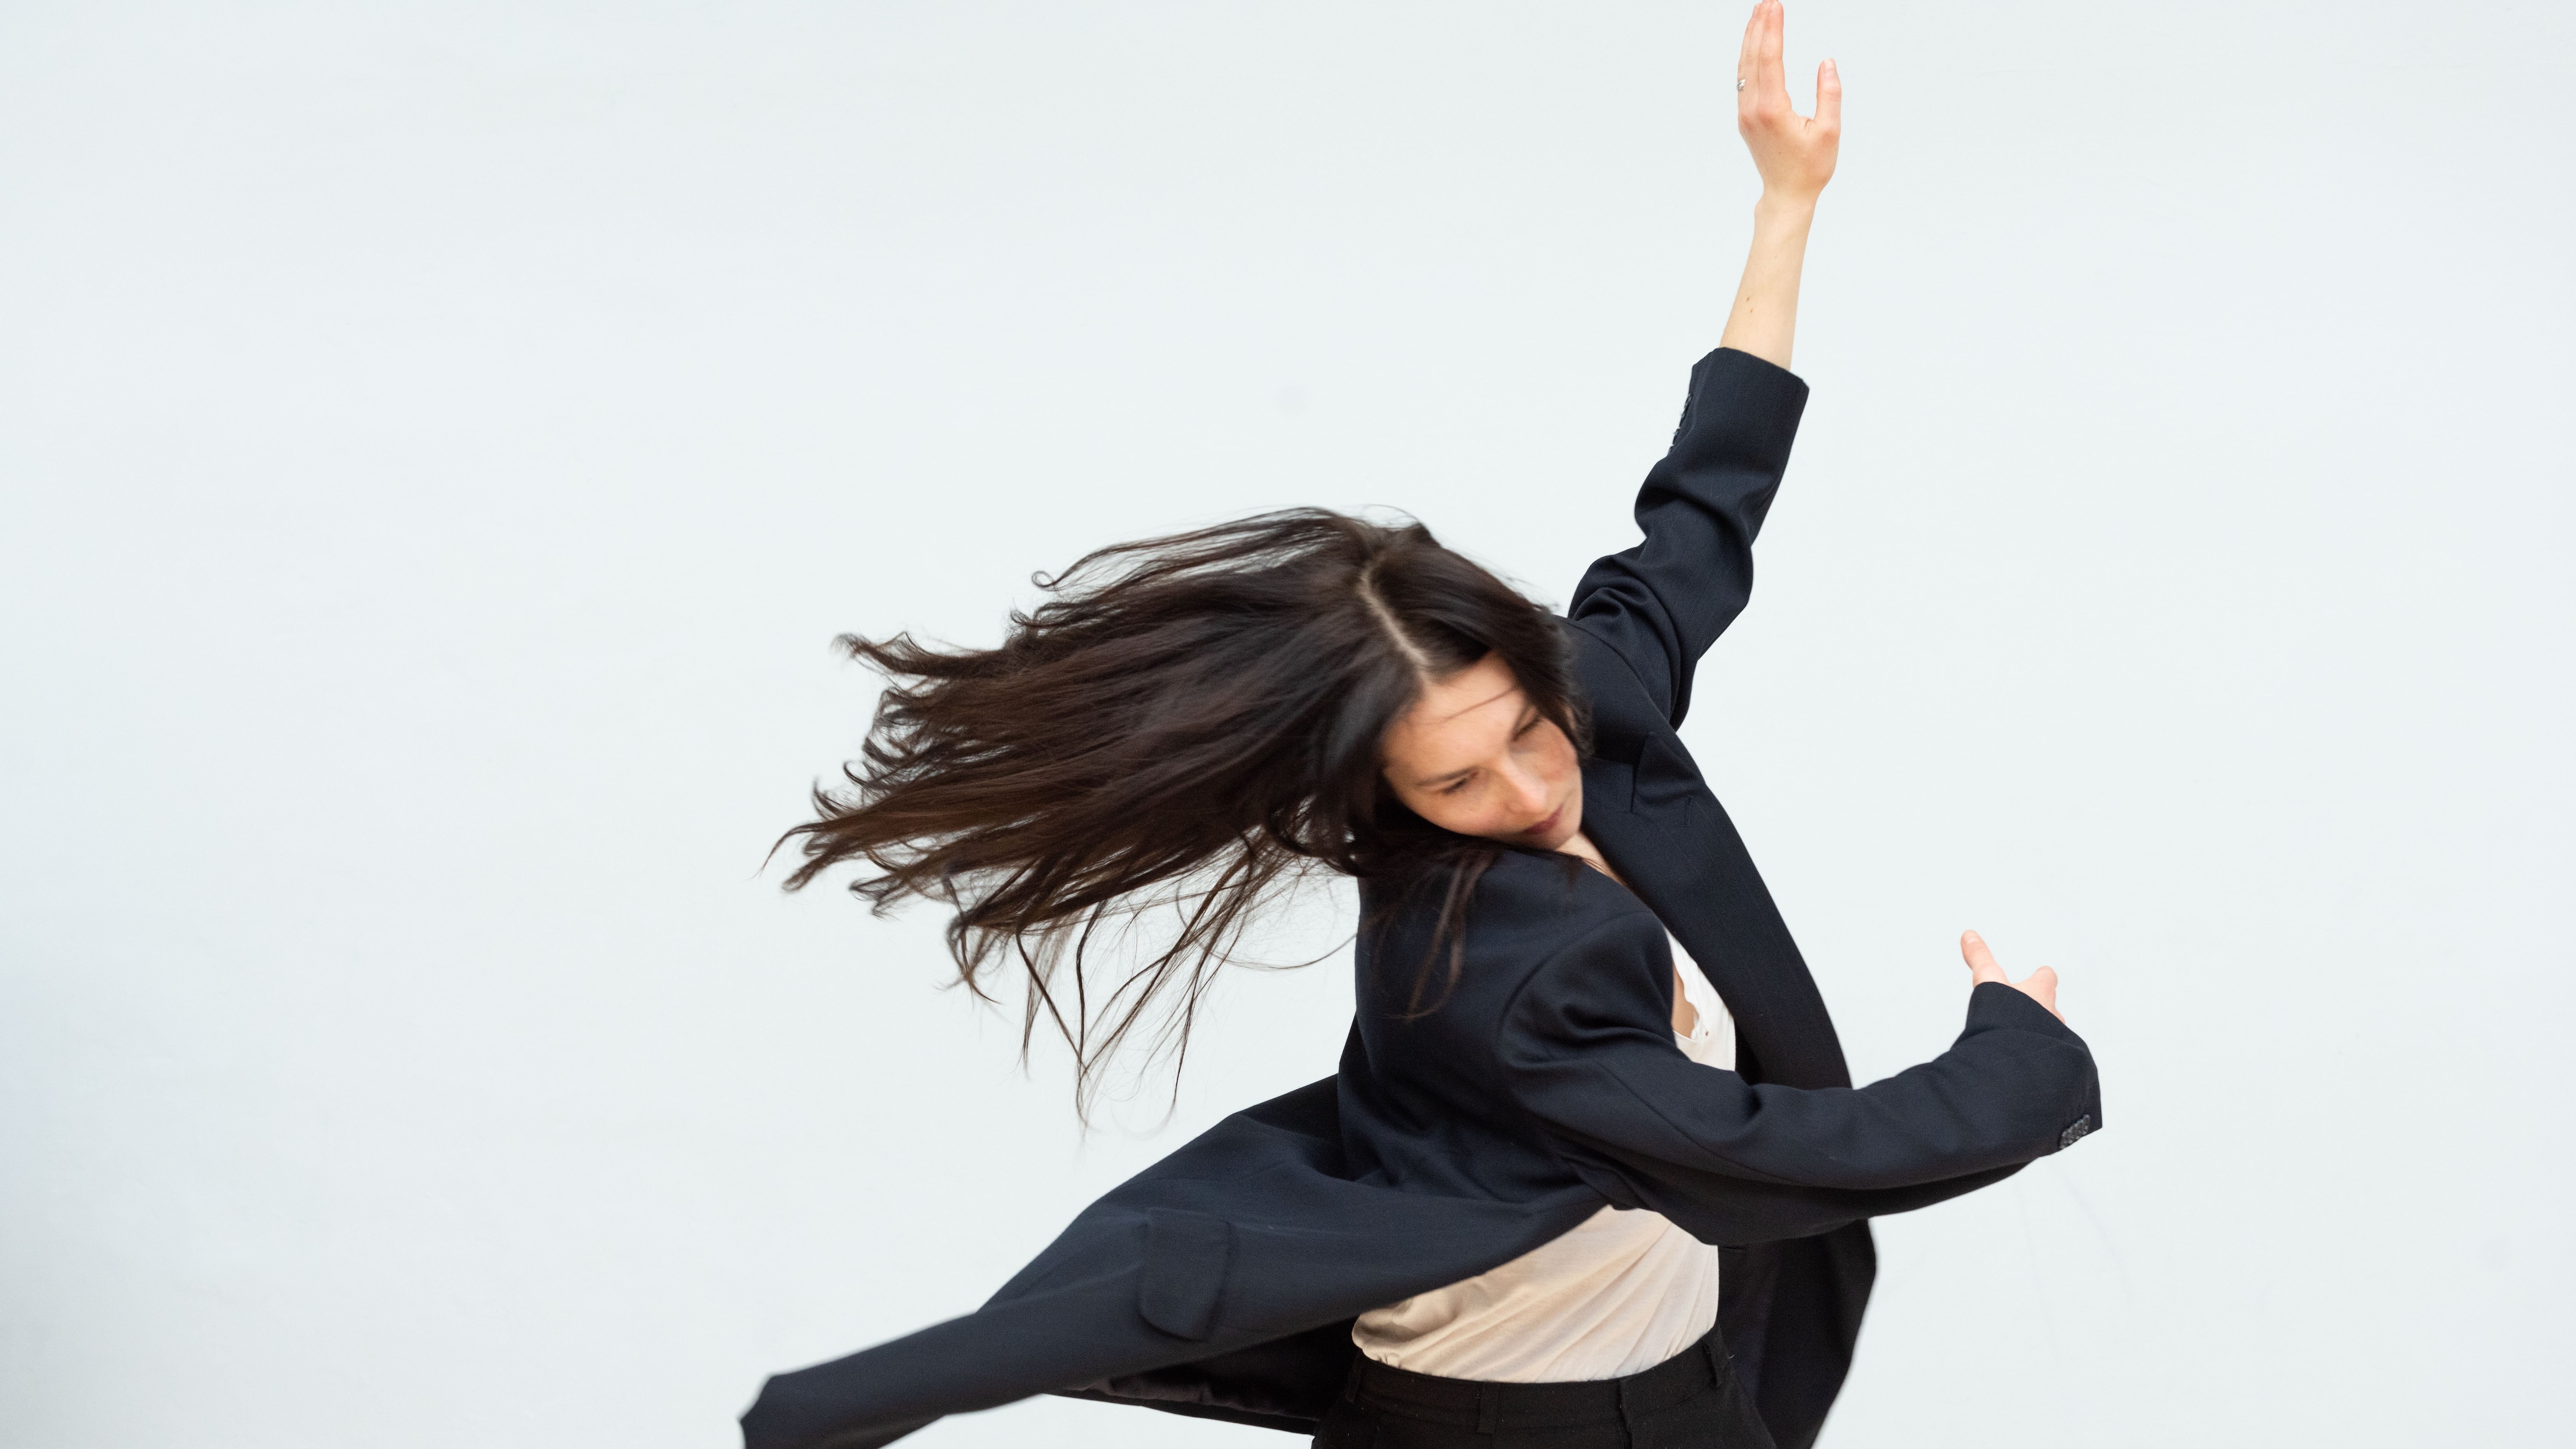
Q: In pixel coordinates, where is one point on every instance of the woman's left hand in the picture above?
(2039, 986)
(1794, 153)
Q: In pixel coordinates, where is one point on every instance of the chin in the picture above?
(1557, 828)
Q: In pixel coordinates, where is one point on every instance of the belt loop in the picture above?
(1487, 1414)
(1715, 1353)
(1627, 1414)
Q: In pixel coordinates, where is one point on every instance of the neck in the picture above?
(1580, 846)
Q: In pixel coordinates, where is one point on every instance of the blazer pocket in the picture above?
(1610, 775)
(1667, 783)
(1186, 1256)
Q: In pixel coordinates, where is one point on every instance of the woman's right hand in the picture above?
(2039, 986)
(1796, 158)
(1794, 153)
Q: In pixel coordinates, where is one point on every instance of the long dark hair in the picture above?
(1187, 721)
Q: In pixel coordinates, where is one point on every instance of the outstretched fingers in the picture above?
(1981, 962)
(1748, 68)
(1770, 82)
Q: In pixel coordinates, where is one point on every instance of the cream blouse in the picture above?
(1621, 1293)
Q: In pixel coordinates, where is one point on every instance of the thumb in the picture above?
(1829, 98)
(1981, 962)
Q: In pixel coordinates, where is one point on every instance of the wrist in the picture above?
(1782, 206)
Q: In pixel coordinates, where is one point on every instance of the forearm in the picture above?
(1764, 320)
(1588, 1053)
(1995, 1099)
(1661, 604)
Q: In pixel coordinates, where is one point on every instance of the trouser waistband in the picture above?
(1485, 1405)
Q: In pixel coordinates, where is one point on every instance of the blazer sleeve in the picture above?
(1662, 603)
(1587, 1051)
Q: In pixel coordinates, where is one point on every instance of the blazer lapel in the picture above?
(1664, 831)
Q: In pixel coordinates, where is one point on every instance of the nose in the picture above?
(1529, 792)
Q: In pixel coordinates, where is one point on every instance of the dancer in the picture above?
(1592, 1171)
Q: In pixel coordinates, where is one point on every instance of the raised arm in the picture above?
(1661, 604)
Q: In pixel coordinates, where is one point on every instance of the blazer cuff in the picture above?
(1749, 410)
(1753, 366)
(1994, 1005)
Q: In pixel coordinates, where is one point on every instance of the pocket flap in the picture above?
(1185, 1261)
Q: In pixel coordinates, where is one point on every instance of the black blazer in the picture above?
(1222, 1282)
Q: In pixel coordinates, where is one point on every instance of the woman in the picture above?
(1592, 1171)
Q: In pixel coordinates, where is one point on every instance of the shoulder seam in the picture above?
(1511, 1006)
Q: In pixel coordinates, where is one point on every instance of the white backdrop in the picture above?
(437, 443)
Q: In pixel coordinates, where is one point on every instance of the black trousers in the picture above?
(1689, 1401)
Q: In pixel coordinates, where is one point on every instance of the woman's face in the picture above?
(1474, 756)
